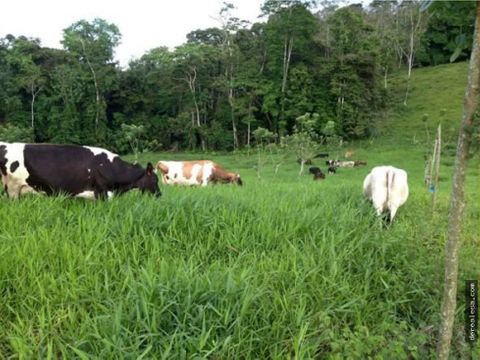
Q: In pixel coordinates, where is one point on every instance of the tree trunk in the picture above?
(457, 202)
(250, 104)
(190, 79)
(97, 91)
(264, 60)
(232, 116)
(34, 94)
(32, 106)
(287, 53)
(414, 30)
(302, 164)
(385, 85)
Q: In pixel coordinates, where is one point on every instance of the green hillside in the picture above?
(436, 95)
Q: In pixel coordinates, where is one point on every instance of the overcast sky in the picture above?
(144, 24)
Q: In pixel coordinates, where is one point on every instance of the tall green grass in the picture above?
(282, 267)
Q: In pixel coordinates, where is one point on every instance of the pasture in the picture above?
(283, 266)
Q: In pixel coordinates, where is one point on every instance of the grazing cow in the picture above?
(359, 163)
(321, 155)
(341, 164)
(80, 171)
(317, 173)
(197, 172)
(346, 164)
(348, 154)
(332, 170)
(387, 188)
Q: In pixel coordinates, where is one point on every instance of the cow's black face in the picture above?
(149, 182)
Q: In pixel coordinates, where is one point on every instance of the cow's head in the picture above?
(162, 167)
(236, 179)
(227, 178)
(149, 181)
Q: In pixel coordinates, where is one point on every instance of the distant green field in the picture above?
(283, 267)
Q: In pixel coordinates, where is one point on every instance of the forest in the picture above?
(305, 65)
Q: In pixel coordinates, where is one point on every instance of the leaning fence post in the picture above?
(435, 175)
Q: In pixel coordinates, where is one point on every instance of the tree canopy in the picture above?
(224, 82)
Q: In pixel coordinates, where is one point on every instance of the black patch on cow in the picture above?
(3, 159)
(65, 168)
(175, 176)
(14, 166)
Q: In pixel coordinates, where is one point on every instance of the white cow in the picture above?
(387, 188)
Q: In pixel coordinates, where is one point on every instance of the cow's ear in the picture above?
(149, 170)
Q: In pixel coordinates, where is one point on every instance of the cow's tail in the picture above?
(390, 178)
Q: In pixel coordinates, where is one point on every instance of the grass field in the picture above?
(283, 267)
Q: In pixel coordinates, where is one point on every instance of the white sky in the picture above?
(144, 24)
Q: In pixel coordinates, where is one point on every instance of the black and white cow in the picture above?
(81, 171)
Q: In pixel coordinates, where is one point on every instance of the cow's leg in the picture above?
(13, 191)
(5, 185)
(379, 200)
(100, 187)
(393, 211)
(26, 189)
(379, 204)
(101, 194)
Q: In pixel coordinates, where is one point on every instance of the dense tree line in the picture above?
(223, 83)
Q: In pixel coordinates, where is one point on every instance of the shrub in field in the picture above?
(304, 140)
(264, 140)
(135, 135)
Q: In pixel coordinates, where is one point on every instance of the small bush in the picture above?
(12, 133)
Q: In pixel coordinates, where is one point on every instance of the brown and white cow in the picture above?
(196, 172)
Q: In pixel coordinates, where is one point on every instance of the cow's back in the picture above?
(186, 172)
(66, 168)
(398, 190)
(387, 188)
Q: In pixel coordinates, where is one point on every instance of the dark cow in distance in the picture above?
(317, 173)
(80, 171)
(332, 170)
